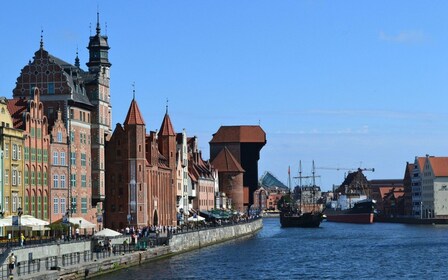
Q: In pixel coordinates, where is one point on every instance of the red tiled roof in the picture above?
(166, 129)
(226, 162)
(134, 116)
(239, 134)
(439, 166)
(421, 163)
(17, 107)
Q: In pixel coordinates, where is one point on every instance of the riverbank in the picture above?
(85, 264)
(412, 221)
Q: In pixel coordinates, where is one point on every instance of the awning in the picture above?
(25, 221)
(81, 222)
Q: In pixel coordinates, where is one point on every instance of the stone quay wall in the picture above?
(179, 243)
(197, 239)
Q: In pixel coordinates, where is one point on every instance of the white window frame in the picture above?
(14, 177)
(62, 180)
(62, 203)
(14, 151)
(14, 202)
(55, 181)
(55, 158)
(56, 205)
(62, 156)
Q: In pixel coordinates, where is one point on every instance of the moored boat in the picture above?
(295, 212)
(362, 212)
(306, 220)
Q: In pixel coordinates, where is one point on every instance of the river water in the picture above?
(333, 251)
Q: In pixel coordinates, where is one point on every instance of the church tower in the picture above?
(99, 95)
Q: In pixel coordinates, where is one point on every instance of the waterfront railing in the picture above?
(51, 263)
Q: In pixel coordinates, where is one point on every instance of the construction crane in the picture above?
(346, 169)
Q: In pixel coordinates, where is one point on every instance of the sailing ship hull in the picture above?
(305, 220)
(361, 213)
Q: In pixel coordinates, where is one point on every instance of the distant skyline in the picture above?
(345, 83)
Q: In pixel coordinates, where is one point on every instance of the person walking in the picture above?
(22, 240)
(11, 263)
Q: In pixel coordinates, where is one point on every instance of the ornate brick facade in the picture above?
(140, 180)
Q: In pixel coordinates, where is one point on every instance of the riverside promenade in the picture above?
(81, 260)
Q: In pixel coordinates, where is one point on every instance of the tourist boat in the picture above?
(360, 211)
(296, 213)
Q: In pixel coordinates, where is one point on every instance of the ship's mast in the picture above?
(289, 178)
(300, 186)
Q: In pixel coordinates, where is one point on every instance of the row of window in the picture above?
(59, 181)
(37, 201)
(16, 151)
(32, 178)
(59, 158)
(36, 132)
(59, 205)
(16, 177)
(16, 202)
(83, 116)
(39, 154)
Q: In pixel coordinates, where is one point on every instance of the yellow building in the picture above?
(11, 145)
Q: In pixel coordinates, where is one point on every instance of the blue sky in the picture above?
(345, 83)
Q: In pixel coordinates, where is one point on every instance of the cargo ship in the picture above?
(361, 211)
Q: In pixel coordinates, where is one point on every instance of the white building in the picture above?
(435, 187)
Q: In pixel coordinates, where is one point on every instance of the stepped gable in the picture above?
(166, 129)
(134, 117)
(239, 134)
(226, 162)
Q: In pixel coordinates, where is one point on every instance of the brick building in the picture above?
(141, 185)
(202, 176)
(59, 169)
(244, 143)
(230, 178)
(28, 115)
(83, 97)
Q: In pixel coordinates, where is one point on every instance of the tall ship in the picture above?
(300, 208)
(352, 202)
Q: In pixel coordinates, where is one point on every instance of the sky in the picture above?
(347, 84)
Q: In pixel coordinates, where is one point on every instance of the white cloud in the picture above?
(403, 37)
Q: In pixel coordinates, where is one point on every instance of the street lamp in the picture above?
(20, 213)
